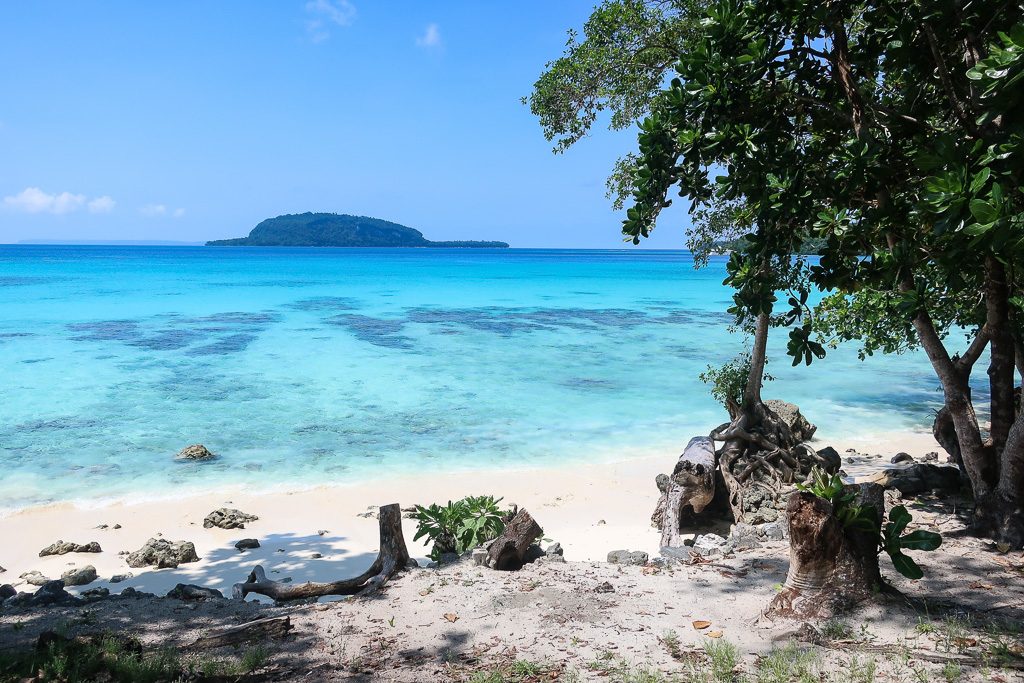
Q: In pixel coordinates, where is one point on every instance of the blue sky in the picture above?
(192, 121)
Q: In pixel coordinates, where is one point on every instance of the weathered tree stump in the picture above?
(392, 558)
(830, 567)
(687, 491)
(507, 551)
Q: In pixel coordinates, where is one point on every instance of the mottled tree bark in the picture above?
(831, 567)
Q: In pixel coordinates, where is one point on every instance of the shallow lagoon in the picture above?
(310, 366)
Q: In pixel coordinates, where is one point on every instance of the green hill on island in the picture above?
(338, 230)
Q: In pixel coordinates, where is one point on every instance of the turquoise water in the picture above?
(311, 366)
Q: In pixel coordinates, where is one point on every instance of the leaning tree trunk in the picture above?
(994, 465)
(831, 567)
(392, 558)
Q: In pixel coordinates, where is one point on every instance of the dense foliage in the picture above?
(618, 69)
(337, 230)
(893, 132)
(459, 526)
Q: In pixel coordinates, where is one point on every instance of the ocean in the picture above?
(302, 367)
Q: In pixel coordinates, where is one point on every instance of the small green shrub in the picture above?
(729, 381)
(459, 526)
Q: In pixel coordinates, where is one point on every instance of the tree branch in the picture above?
(966, 362)
(947, 81)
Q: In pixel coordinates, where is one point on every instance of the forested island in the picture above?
(339, 230)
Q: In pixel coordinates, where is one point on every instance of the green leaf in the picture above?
(921, 540)
(983, 211)
(905, 565)
(899, 519)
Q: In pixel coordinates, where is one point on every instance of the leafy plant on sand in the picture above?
(863, 518)
(459, 526)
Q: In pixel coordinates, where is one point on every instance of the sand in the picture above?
(590, 510)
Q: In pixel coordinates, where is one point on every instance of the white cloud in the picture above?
(34, 200)
(104, 204)
(326, 12)
(153, 210)
(431, 37)
(178, 213)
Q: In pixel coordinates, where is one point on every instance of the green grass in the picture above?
(117, 659)
(724, 658)
(837, 629)
(952, 672)
(519, 671)
(790, 664)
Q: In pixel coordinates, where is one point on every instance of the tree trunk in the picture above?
(506, 552)
(392, 558)
(760, 454)
(831, 567)
(994, 467)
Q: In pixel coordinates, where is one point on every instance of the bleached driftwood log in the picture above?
(687, 491)
(273, 627)
(392, 558)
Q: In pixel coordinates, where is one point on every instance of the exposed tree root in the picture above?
(392, 558)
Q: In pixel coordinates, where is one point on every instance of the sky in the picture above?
(191, 121)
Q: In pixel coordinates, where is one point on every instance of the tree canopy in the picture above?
(892, 132)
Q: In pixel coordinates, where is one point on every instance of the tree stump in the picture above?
(830, 567)
(688, 491)
(391, 559)
(507, 551)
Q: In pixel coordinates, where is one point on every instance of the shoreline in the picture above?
(590, 509)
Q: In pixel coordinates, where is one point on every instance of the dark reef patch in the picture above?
(590, 384)
(232, 343)
(22, 280)
(384, 332)
(325, 303)
(217, 334)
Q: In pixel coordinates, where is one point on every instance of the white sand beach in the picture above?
(590, 510)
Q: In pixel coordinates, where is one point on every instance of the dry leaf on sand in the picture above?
(451, 617)
(701, 624)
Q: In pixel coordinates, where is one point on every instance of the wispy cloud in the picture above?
(156, 210)
(431, 37)
(35, 200)
(104, 204)
(324, 13)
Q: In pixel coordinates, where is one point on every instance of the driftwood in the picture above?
(273, 627)
(508, 550)
(392, 558)
(687, 491)
(830, 567)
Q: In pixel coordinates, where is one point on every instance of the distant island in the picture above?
(339, 230)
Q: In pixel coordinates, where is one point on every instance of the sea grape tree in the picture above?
(893, 133)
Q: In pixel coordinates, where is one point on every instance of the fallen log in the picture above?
(391, 559)
(261, 629)
(831, 567)
(689, 489)
(508, 550)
